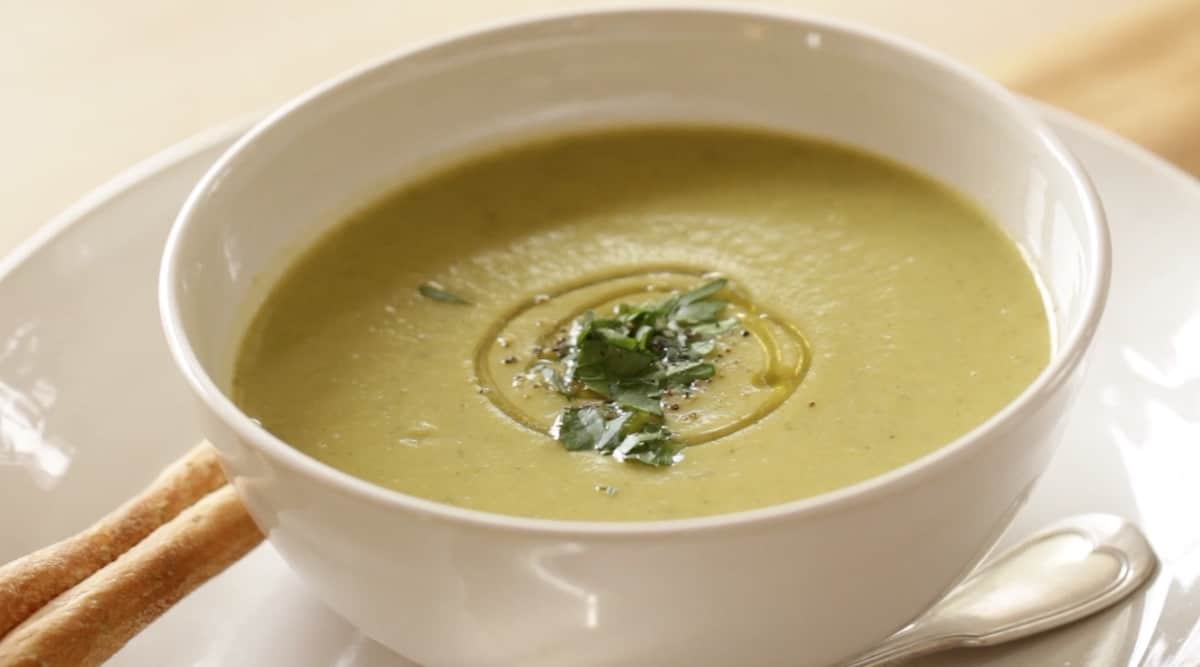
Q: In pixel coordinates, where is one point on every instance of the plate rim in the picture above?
(125, 181)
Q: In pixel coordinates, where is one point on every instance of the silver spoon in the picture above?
(1070, 570)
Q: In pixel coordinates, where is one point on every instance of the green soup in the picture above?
(872, 316)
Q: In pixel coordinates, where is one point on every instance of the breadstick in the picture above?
(92, 621)
(28, 583)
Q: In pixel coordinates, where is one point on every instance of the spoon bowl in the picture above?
(1071, 570)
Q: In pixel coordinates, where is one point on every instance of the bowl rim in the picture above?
(1048, 380)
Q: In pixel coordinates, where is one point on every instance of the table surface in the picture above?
(90, 88)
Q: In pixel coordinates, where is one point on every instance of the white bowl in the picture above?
(807, 582)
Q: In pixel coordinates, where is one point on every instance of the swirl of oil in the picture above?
(784, 352)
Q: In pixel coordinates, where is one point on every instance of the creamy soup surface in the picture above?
(878, 317)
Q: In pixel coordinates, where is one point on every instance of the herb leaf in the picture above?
(702, 347)
(698, 312)
(600, 362)
(651, 445)
(579, 428)
(615, 432)
(687, 372)
(714, 328)
(432, 290)
(550, 376)
(703, 292)
(641, 396)
(615, 337)
(629, 361)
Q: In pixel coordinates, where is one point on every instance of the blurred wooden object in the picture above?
(1138, 75)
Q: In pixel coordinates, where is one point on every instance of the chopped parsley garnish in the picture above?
(436, 292)
(623, 434)
(626, 364)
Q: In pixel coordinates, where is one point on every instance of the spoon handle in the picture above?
(1070, 570)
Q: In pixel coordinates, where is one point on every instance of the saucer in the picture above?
(91, 408)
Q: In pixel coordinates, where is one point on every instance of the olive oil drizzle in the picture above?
(780, 375)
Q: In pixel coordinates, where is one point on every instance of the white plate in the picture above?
(91, 409)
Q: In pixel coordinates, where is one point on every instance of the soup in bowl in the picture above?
(638, 336)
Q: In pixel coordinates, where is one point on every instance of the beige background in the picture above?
(91, 87)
